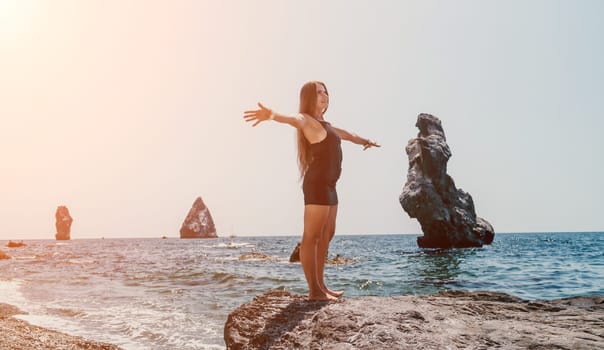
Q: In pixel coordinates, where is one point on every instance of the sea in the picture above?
(154, 293)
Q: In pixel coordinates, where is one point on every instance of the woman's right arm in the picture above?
(263, 114)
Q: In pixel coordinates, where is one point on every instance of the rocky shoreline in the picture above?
(16, 334)
(447, 320)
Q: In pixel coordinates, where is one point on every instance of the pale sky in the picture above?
(126, 111)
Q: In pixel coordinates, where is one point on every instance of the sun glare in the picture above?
(16, 17)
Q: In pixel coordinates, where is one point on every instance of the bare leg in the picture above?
(314, 221)
(327, 234)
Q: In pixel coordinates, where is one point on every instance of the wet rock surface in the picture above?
(448, 320)
(445, 213)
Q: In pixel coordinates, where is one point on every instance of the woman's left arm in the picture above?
(354, 138)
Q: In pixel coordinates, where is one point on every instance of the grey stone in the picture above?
(447, 320)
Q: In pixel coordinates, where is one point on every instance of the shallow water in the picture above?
(172, 293)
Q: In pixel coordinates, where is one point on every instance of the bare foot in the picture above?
(321, 297)
(335, 293)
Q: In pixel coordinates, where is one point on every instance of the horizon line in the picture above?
(280, 235)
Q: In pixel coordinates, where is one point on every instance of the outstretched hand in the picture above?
(370, 144)
(258, 115)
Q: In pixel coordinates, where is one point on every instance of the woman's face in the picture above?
(322, 97)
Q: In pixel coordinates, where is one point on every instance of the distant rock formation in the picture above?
(63, 223)
(198, 223)
(446, 214)
(3, 255)
(15, 244)
(447, 320)
(339, 260)
(255, 256)
(295, 256)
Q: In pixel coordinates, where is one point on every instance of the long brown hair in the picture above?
(308, 105)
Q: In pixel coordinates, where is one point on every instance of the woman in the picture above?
(319, 159)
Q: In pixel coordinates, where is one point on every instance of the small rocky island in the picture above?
(445, 213)
(447, 320)
(198, 223)
(63, 223)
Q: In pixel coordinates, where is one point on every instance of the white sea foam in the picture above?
(36, 314)
(229, 245)
(10, 293)
(26, 257)
(80, 261)
(152, 323)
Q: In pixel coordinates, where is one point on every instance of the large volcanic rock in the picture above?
(446, 214)
(447, 320)
(198, 223)
(63, 223)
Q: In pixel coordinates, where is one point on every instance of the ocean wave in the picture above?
(64, 312)
(10, 290)
(366, 284)
(229, 245)
(222, 277)
(26, 257)
(176, 294)
(80, 261)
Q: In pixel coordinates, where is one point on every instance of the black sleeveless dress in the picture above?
(319, 184)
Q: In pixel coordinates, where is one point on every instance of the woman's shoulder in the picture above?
(306, 120)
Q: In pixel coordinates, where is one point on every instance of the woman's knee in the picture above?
(327, 234)
(329, 230)
(330, 225)
(310, 237)
(331, 233)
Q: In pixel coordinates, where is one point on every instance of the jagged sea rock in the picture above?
(198, 223)
(445, 213)
(447, 320)
(63, 223)
(295, 255)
